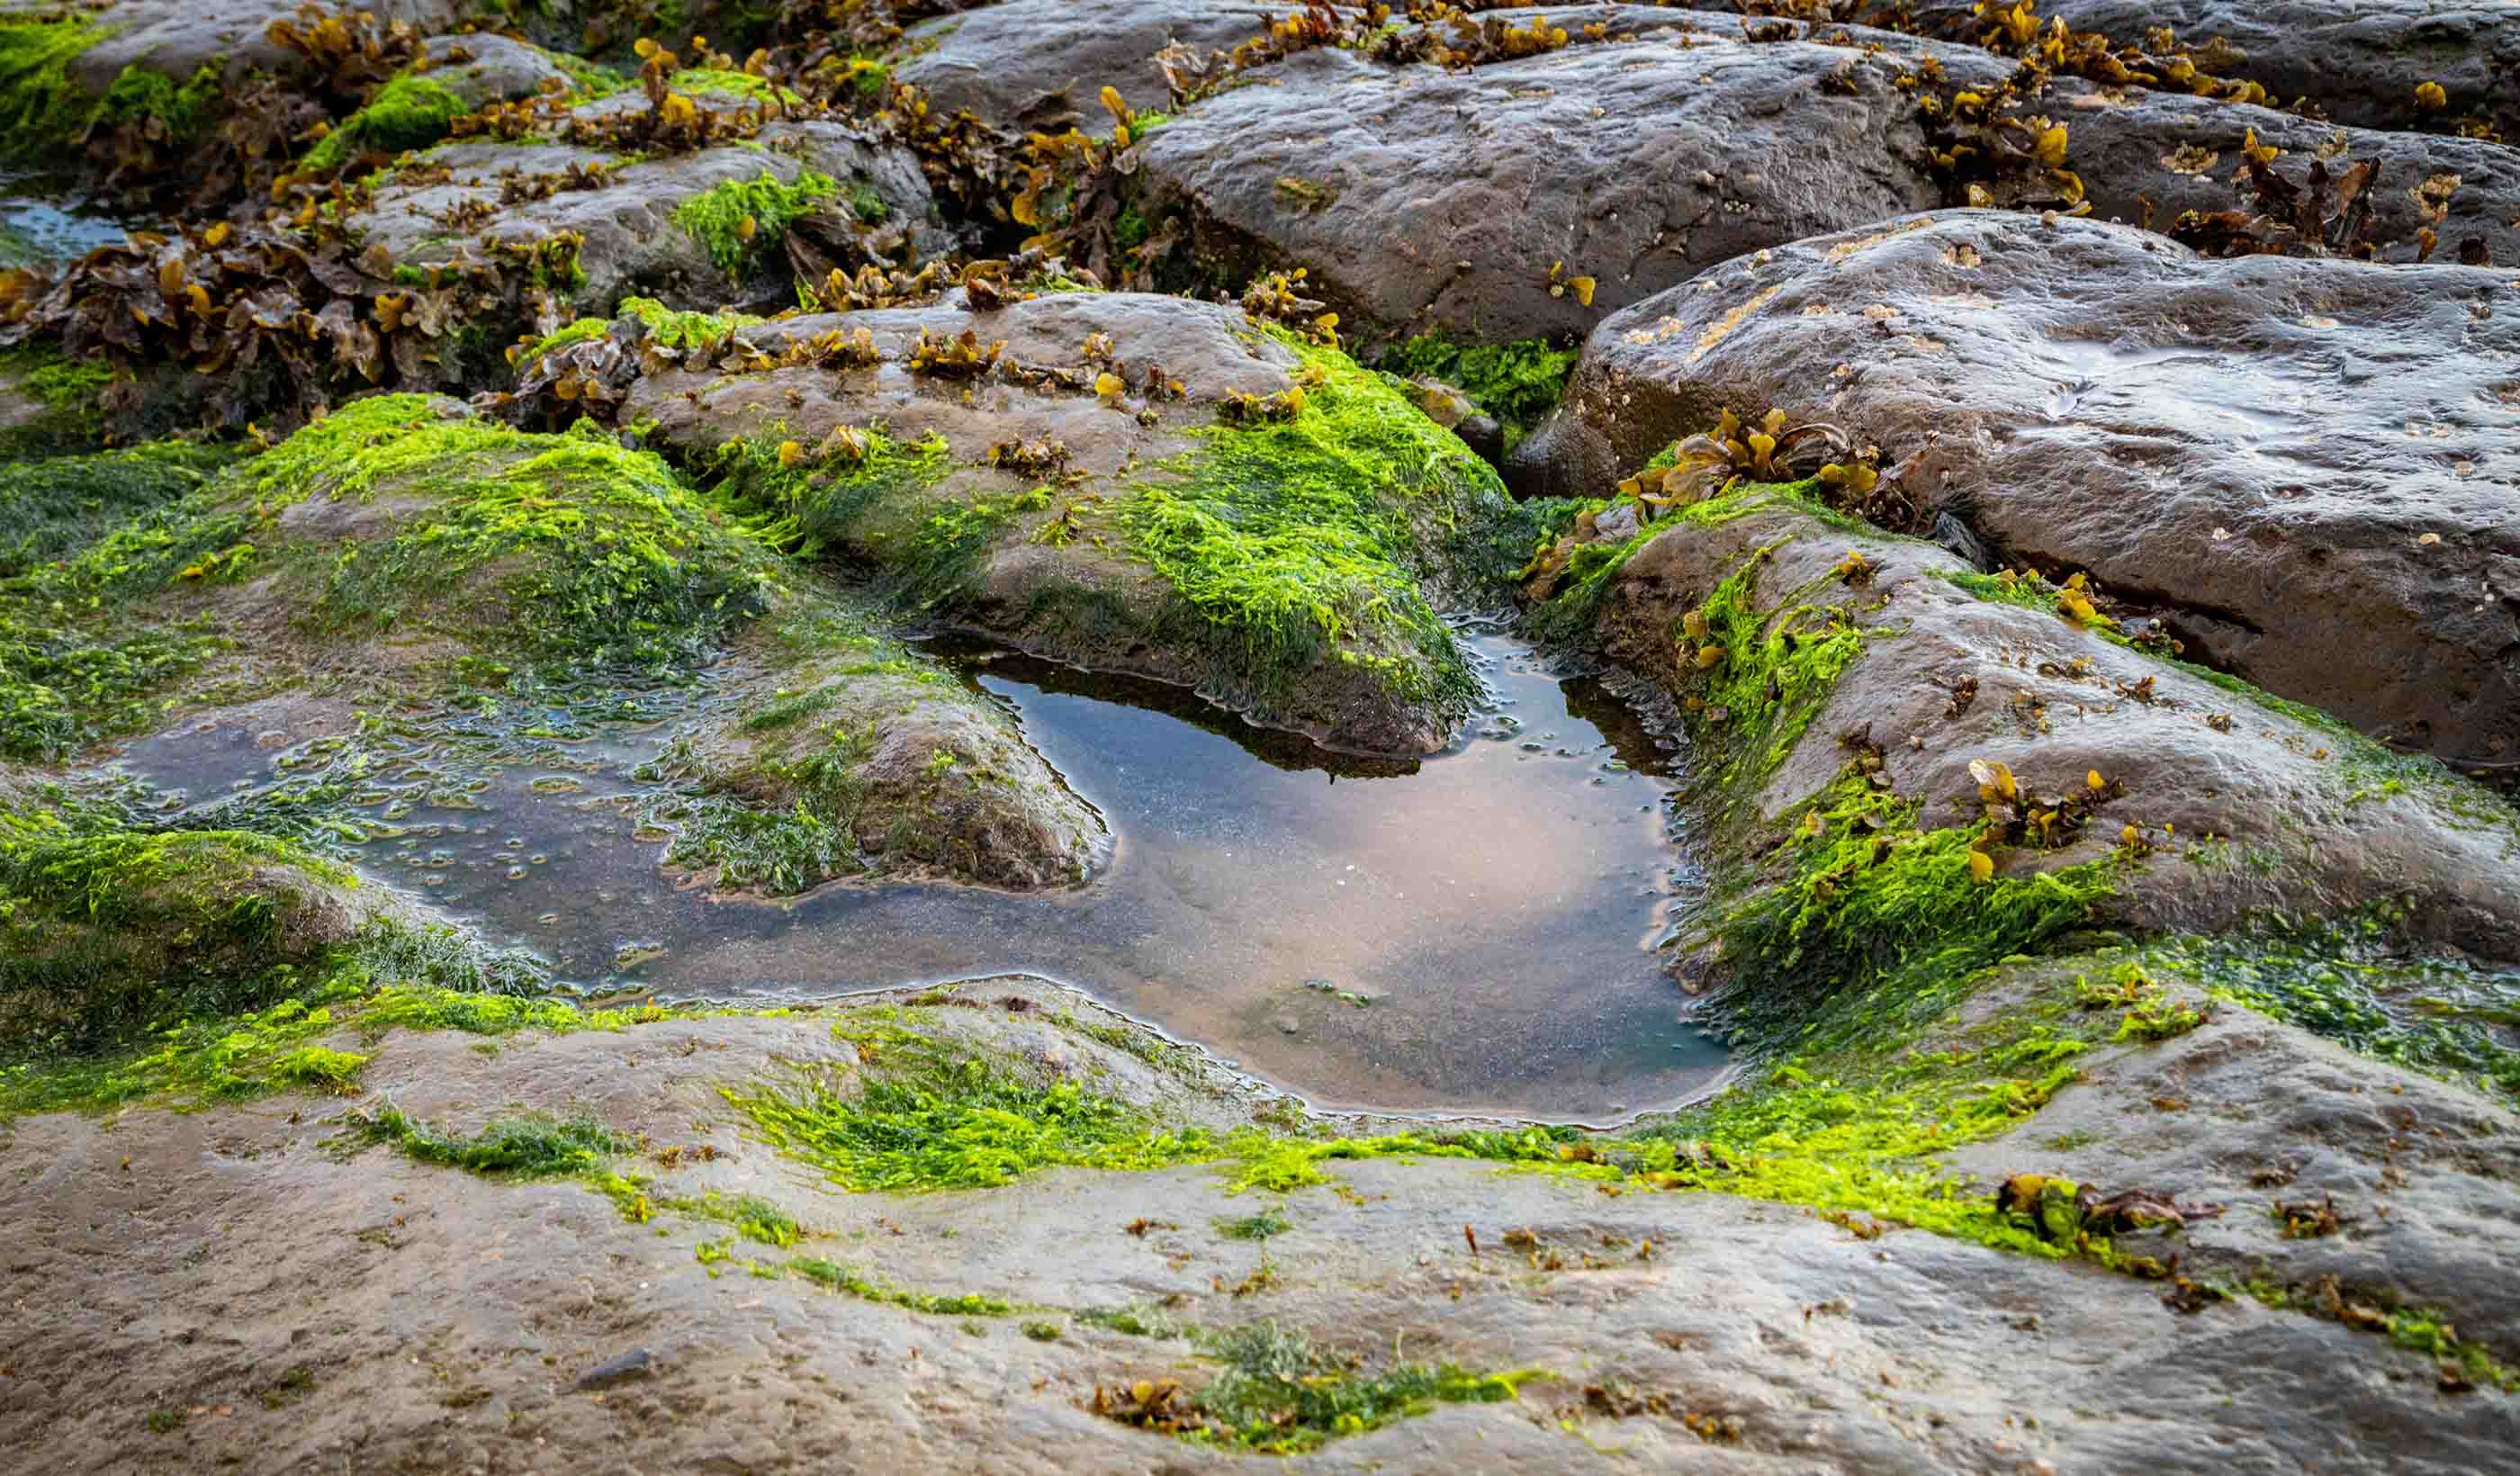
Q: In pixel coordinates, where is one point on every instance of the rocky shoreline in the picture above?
(2060, 468)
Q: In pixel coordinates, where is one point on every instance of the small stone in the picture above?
(638, 1362)
(1289, 1025)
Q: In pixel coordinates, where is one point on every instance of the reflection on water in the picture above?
(1491, 907)
(36, 224)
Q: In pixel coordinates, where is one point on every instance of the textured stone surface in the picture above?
(1042, 65)
(445, 1323)
(632, 246)
(2306, 467)
(2357, 62)
(1423, 200)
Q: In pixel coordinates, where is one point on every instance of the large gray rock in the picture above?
(1042, 65)
(2182, 153)
(1422, 200)
(2304, 466)
(177, 37)
(2358, 62)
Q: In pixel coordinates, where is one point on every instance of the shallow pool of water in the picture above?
(36, 224)
(1467, 932)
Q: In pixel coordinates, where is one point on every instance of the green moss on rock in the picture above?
(1315, 537)
(107, 937)
(411, 111)
(716, 218)
(38, 101)
(1518, 384)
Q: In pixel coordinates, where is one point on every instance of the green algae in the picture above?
(1873, 904)
(871, 499)
(106, 937)
(670, 328)
(527, 1146)
(1280, 1394)
(611, 556)
(1777, 670)
(2343, 981)
(922, 1120)
(717, 217)
(731, 84)
(837, 1278)
(184, 109)
(52, 509)
(1311, 538)
(410, 111)
(38, 98)
(1518, 384)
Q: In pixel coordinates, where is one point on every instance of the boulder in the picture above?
(2180, 152)
(1288, 566)
(2241, 805)
(177, 37)
(2358, 64)
(2190, 432)
(1040, 65)
(1465, 202)
(458, 198)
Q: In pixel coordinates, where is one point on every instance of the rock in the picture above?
(1136, 535)
(2183, 152)
(1040, 65)
(2269, 809)
(483, 68)
(1410, 195)
(913, 770)
(2409, 1164)
(632, 243)
(1795, 1342)
(177, 37)
(2092, 397)
(638, 1362)
(2360, 63)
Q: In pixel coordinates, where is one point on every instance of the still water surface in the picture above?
(1493, 907)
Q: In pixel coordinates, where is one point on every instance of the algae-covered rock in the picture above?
(103, 937)
(2095, 399)
(2212, 801)
(867, 756)
(1086, 1248)
(2331, 1165)
(670, 227)
(1062, 474)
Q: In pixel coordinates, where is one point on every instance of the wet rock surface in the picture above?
(1789, 1340)
(2095, 399)
(2290, 812)
(1414, 196)
(2360, 64)
(1043, 64)
(465, 201)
